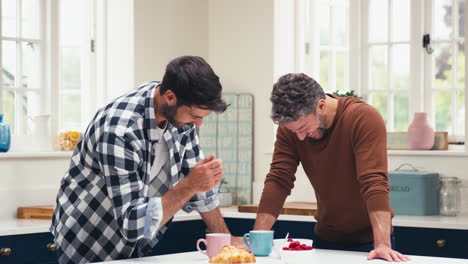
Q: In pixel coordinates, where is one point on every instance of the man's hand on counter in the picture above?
(387, 253)
(239, 242)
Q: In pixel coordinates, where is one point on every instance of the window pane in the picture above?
(442, 66)
(401, 67)
(401, 20)
(461, 18)
(461, 66)
(324, 21)
(9, 18)
(443, 111)
(73, 22)
(378, 21)
(401, 104)
(30, 19)
(379, 101)
(30, 65)
(460, 123)
(342, 26)
(70, 112)
(341, 70)
(324, 69)
(27, 105)
(8, 63)
(8, 109)
(443, 25)
(378, 68)
(70, 68)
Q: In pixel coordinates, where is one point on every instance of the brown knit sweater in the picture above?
(347, 169)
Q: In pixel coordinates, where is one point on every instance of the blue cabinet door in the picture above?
(432, 242)
(180, 237)
(28, 248)
(239, 227)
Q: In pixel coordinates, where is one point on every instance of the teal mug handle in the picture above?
(245, 240)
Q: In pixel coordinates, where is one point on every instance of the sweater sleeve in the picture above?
(370, 150)
(280, 179)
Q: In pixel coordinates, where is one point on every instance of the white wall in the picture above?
(29, 182)
(120, 46)
(165, 30)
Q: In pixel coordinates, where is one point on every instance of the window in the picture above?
(384, 60)
(47, 63)
(22, 63)
(76, 64)
(388, 65)
(327, 43)
(446, 69)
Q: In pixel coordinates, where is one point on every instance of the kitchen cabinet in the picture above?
(180, 237)
(239, 227)
(432, 242)
(39, 248)
(28, 248)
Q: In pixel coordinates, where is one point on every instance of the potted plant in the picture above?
(224, 195)
(346, 93)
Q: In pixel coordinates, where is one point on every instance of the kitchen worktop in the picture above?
(318, 256)
(15, 226)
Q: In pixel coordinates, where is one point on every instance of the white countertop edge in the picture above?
(36, 155)
(26, 226)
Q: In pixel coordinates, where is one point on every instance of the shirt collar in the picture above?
(150, 120)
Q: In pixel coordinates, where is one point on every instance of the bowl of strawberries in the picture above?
(294, 250)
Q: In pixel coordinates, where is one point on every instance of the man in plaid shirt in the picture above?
(137, 164)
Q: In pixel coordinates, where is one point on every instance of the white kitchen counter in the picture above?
(318, 256)
(22, 226)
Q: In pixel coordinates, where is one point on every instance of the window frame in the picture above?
(41, 90)
(421, 15)
(49, 57)
(88, 60)
(309, 55)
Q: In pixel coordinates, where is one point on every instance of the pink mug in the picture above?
(214, 243)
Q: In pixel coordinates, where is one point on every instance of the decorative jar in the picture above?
(420, 133)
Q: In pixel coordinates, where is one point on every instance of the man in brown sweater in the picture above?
(341, 144)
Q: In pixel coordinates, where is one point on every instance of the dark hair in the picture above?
(194, 83)
(294, 95)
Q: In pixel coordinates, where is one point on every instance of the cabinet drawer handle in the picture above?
(51, 247)
(441, 243)
(5, 251)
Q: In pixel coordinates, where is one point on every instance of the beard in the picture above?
(170, 113)
(322, 131)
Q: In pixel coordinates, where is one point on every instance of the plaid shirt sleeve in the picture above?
(119, 162)
(201, 202)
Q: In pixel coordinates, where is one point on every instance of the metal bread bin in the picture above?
(414, 192)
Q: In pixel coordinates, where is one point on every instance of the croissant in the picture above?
(230, 254)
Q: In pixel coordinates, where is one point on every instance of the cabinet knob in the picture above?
(51, 247)
(5, 251)
(441, 243)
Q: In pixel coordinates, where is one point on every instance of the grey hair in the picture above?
(294, 95)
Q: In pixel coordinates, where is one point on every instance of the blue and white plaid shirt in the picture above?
(103, 209)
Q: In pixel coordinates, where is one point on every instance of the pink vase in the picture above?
(420, 133)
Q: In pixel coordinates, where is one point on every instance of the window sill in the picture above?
(36, 155)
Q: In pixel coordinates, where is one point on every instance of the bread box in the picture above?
(414, 192)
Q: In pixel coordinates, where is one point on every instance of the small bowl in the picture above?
(292, 256)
